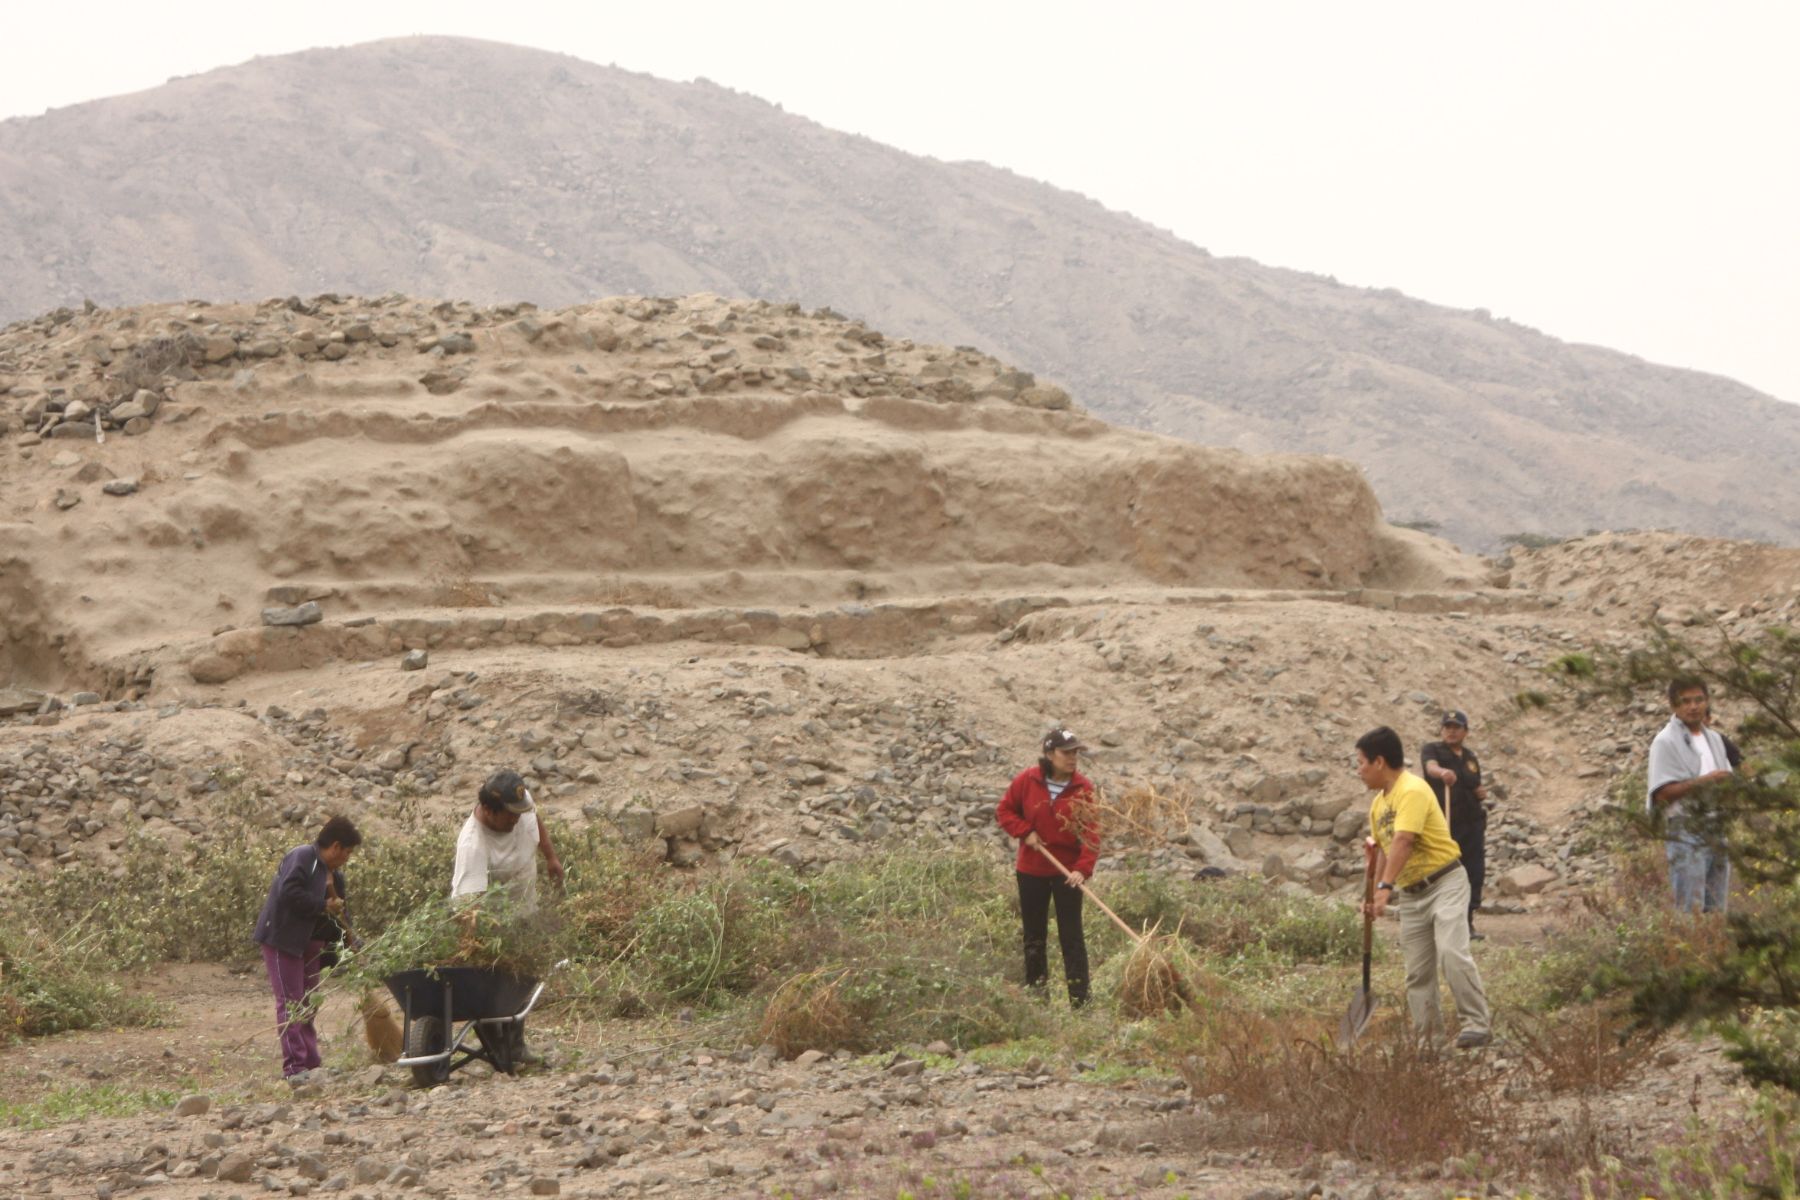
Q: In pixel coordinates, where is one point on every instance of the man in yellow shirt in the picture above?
(1419, 867)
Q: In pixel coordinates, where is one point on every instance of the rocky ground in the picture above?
(630, 1110)
(733, 580)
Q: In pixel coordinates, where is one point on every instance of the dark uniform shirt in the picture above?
(1464, 807)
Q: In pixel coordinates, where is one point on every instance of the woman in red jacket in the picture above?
(1045, 808)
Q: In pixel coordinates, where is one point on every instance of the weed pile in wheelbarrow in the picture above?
(465, 979)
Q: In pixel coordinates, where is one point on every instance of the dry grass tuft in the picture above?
(1140, 813)
(636, 593)
(1153, 982)
(380, 1030)
(1392, 1098)
(148, 361)
(810, 1011)
(1585, 1050)
(456, 588)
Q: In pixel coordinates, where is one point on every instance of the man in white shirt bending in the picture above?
(499, 845)
(1687, 755)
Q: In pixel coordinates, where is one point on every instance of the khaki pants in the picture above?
(1434, 932)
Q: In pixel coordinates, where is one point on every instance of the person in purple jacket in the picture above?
(299, 898)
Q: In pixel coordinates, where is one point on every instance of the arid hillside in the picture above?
(452, 167)
(805, 582)
(394, 454)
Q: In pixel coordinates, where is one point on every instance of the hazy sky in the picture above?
(1620, 173)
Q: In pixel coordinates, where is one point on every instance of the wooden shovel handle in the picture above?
(1070, 875)
(1368, 899)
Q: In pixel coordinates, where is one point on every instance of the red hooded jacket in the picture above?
(1026, 809)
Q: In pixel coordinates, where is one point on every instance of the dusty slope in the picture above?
(392, 454)
(774, 569)
(463, 168)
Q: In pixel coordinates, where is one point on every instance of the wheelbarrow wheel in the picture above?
(426, 1036)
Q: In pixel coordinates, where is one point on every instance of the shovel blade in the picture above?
(1356, 1017)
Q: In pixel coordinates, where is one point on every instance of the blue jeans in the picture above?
(1699, 874)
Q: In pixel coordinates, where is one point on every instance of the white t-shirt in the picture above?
(486, 858)
(1703, 744)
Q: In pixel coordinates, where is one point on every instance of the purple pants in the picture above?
(292, 979)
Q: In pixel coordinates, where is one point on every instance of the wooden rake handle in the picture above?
(1070, 875)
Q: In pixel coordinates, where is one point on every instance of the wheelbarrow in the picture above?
(442, 1006)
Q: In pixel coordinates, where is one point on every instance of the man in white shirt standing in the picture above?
(499, 844)
(1687, 755)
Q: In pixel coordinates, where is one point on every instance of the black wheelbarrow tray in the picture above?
(442, 1006)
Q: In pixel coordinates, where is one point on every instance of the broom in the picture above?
(380, 1030)
(1150, 984)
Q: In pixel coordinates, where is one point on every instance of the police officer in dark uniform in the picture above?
(1452, 769)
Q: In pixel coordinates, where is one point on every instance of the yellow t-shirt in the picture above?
(1409, 807)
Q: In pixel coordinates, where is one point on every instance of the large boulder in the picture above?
(214, 668)
(1527, 880)
(1213, 851)
(19, 700)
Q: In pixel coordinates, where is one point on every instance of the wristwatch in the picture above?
(1384, 887)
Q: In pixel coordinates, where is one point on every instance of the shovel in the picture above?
(1362, 1006)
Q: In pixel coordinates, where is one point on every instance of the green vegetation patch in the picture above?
(82, 1101)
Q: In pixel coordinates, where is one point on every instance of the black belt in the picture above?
(1413, 889)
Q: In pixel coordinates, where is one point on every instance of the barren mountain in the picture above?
(452, 167)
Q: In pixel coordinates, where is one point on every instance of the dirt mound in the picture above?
(393, 455)
(1673, 578)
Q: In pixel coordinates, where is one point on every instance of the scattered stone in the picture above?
(371, 1169)
(214, 668)
(1526, 880)
(683, 822)
(192, 1106)
(236, 1167)
(19, 700)
(120, 487)
(415, 660)
(302, 614)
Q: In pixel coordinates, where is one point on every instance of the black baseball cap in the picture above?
(1062, 739)
(506, 790)
(1456, 717)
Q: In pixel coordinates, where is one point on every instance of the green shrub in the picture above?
(1240, 915)
(159, 905)
(54, 986)
(1755, 815)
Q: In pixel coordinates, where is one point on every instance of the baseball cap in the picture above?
(506, 789)
(1062, 739)
(1456, 717)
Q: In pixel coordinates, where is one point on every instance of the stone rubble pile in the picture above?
(81, 373)
(56, 794)
(761, 762)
